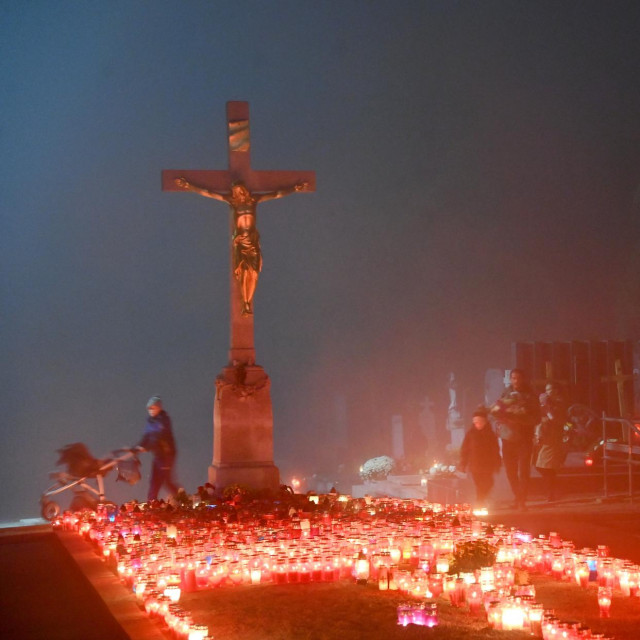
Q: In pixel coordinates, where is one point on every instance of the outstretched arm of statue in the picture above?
(281, 193)
(207, 193)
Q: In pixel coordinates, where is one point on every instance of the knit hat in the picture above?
(481, 412)
(154, 401)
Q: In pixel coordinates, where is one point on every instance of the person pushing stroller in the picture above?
(158, 439)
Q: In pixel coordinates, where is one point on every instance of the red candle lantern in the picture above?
(435, 584)
(474, 598)
(304, 568)
(404, 614)
(494, 615)
(557, 566)
(536, 613)
(555, 540)
(625, 574)
(430, 614)
(383, 578)
(604, 601)
(280, 572)
(582, 574)
(362, 568)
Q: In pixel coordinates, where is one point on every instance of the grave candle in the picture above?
(634, 577)
(316, 570)
(607, 573)
(557, 566)
(435, 584)
(430, 614)
(280, 572)
(304, 567)
(362, 568)
(604, 601)
(555, 540)
(442, 564)
(536, 613)
(172, 592)
(474, 598)
(486, 578)
(255, 575)
(404, 614)
(494, 615)
(202, 575)
(512, 616)
(393, 583)
(383, 578)
(449, 589)
(198, 632)
(582, 574)
(418, 615)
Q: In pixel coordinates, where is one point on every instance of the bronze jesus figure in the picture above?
(245, 240)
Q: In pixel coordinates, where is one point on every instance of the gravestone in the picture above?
(397, 437)
(455, 423)
(428, 426)
(242, 415)
(493, 386)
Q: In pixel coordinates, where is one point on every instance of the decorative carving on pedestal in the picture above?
(243, 429)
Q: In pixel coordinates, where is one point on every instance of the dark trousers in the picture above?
(549, 481)
(516, 456)
(161, 474)
(483, 483)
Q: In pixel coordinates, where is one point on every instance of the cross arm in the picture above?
(258, 182)
(214, 181)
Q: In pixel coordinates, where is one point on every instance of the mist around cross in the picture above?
(478, 183)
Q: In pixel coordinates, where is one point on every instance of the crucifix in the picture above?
(242, 188)
(619, 378)
(242, 410)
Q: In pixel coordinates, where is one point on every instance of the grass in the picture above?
(570, 602)
(324, 612)
(347, 611)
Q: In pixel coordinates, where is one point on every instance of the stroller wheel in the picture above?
(50, 510)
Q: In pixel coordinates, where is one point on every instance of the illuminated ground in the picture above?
(47, 591)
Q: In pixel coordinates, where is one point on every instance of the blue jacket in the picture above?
(158, 437)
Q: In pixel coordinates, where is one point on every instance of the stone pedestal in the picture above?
(243, 430)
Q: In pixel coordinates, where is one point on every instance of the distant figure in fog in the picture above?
(158, 439)
(480, 455)
(517, 412)
(550, 446)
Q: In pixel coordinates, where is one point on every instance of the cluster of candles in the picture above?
(403, 545)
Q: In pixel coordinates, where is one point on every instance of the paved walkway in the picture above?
(54, 587)
(586, 521)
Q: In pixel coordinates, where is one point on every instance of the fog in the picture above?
(478, 172)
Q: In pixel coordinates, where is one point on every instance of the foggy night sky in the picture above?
(478, 183)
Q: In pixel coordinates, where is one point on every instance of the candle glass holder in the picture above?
(604, 601)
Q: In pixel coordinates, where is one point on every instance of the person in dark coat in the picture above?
(517, 412)
(158, 439)
(480, 455)
(551, 449)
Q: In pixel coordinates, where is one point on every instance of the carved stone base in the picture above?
(256, 477)
(243, 430)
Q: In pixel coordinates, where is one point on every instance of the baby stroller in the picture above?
(85, 477)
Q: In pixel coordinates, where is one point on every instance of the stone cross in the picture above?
(261, 185)
(619, 378)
